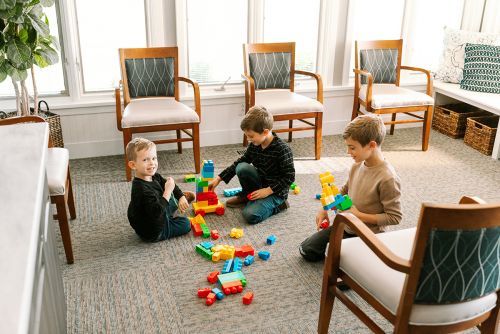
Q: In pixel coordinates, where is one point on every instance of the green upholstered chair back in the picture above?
(150, 76)
(459, 265)
(381, 63)
(270, 70)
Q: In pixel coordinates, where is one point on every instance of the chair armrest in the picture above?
(426, 72)
(249, 90)
(369, 83)
(471, 200)
(196, 92)
(319, 83)
(379, 248)
(118, 108)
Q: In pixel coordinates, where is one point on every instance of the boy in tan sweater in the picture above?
(373, 186)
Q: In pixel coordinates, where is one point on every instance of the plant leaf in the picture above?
(39, 25)
(47, 3)
(55, 42)
(36, 10)
(18, 53)
(49, 55)
(23, 35)
(7, 4)
(39, 60)
(15, 74)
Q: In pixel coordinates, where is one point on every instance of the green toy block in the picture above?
(202, 184)
(206, 253)
(293, 185)
(346, 204)
(244, 282)
(189, 178)
(205, 230)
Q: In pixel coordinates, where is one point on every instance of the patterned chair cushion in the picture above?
(381, 63)
(281, 101)
(386, 284)
(392, 96)
(57, 170)
(270, 70)
(481, 68)
(459, 265)
(150, 77)
(157, 111)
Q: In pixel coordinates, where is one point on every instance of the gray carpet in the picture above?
(119, 284)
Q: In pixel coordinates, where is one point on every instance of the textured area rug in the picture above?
(119, 284)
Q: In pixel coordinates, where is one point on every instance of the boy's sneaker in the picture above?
(283, 206)
(190, 196)
(236, 202)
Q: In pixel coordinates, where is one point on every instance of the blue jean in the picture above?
(261, 209)
(174, 225)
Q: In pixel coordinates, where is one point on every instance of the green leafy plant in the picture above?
(25, 42)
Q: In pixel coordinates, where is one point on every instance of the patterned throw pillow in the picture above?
(481, 68)
(452, 59)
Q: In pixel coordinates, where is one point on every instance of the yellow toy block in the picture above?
(197, 220)
(217, 248)
(236, 233)
(296, 191)
(227, 252)
(326, 177)
(216, 257)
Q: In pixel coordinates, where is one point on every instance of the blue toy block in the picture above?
(271, 239)
(227, 266)
(218, 294)
(232, 192)
(237, 264)
(248, 260)
(264, 255)
(230, 277)
(207, 245)
(318, 196)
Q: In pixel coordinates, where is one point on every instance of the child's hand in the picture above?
(214, 183)
(320, 216)
(354, 211)
(183, 204)
(169, 185)
(260, 193)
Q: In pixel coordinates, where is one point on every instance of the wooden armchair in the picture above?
(441, 277)
(269, 82)
(151, 99)
(59, 182)
(376, 86)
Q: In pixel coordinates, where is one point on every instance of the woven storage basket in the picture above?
(451, 119)
(480, 133)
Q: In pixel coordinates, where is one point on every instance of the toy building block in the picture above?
(227, 266)
(230, 277)
(215, 256)
(232, 287)
(264, 255)
(212, 277)
(248, 260)
(189, 178)
(205, 230)
(293, 185)
(207, 244)
(326, 177)
(227, 252)
(232, 192)
(214, 234)
(218, 294)
(203, 292)
(324, 224)
(247, 298)
(210, 299)
(237, 264)
(271, 239)
(246, 250)
(346, 204)
(296, 190)
(197, 231)
(318, 196)
(206, 253)
(236, 233)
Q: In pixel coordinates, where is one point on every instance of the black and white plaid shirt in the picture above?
(274, 165)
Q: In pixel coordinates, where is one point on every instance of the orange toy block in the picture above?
(247, 298)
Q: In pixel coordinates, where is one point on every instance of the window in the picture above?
(215, 39)
(49, 80)
(294, 21)
(102, 31)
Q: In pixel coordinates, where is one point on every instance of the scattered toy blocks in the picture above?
(189, 178)
(207, 244)
(248, 260)
(210, 299)
(236, 233)
(237, 264)
(296, 191)
(212, 277)
(247, 298)
(271, 239)
(318, 196)
(227, 266)
(218, 293)
(244, 251)
(232, 192)
(203, 292)
(205, 231)
(206, 253)
(214, 234)
(264, 255)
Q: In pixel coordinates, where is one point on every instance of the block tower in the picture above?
(331, 199)
(206, 201)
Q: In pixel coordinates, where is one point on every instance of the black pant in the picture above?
(313, 248)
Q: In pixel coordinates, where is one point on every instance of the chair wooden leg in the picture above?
(196, 147)
(355, 108)
(427, 127)
(325, 307)
(393, 118)
(492, 325)
(290, 125)
(71, 199)
(318, 135)
(179, 144)
(127, 137)
(62, 217)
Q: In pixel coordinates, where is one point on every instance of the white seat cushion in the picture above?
(157, 111)
(283, 101)
(57, 170)
(386, 284)
(392, 96)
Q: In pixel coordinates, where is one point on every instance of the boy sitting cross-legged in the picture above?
(151, 211)
(265, 170)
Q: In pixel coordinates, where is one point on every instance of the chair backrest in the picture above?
(456, 254)
(271, 65)
(149, 72)
(24, 119)
(381, 58)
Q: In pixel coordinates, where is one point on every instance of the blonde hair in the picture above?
(136, 145)
(366, 128)
(257, 119)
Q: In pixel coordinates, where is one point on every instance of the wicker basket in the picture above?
(480, 133)
(451, 119)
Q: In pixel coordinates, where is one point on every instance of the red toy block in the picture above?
(232, 287)
(203, 292)
(197, 231)
(214, 234)
(213, 201)
(324, 224)
(249, 196)
(210, 299)
(212, 277)
(247, 298)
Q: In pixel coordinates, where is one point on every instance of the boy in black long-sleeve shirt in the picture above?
(154, 199)
(265, 170)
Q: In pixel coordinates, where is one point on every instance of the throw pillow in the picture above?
(452, 58)
(481, 68)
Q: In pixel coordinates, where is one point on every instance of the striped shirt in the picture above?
(274, 165)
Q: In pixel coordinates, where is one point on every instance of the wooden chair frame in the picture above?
(61, 201)
(317, 126)
(192, 130)
(471, 213)
(428, 110)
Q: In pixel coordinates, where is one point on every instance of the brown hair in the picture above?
(257, 119)
(136, 145)
(366, 128)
